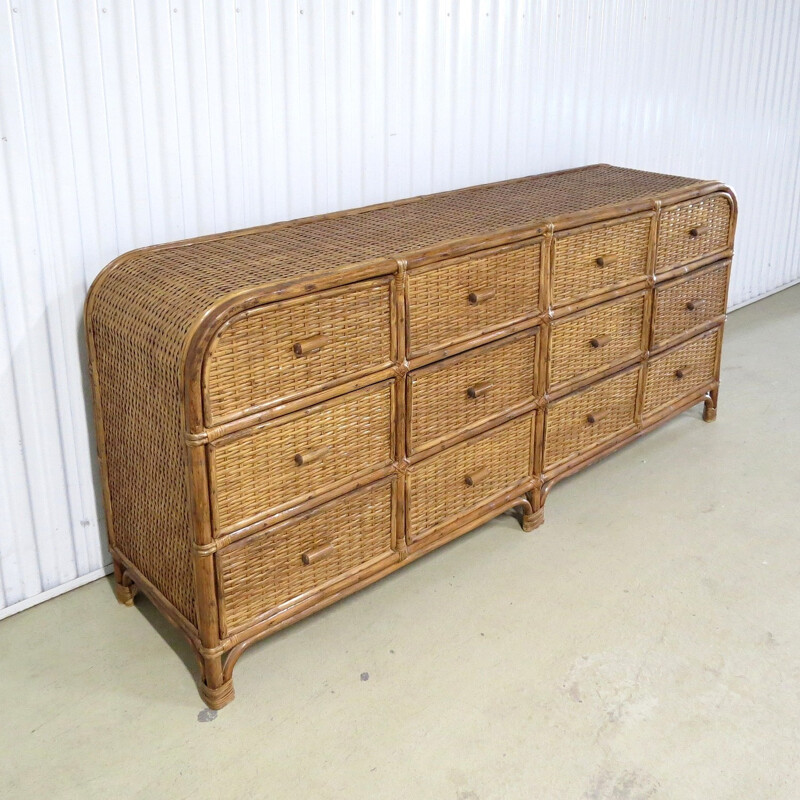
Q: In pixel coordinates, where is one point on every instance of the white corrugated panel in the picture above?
(127, 124)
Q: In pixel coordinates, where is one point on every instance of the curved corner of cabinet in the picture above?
(733, 200)
(97, 405)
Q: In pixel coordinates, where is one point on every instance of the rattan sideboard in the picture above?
(286, 414)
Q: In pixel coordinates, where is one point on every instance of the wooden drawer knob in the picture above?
(698, 230)
(479, 389)
(693, 305)
(310, 345)
(310, 456)
(595, 416)
(600, 341)
(476, 298)
(476, 477)
(313, 556)
(605, 261)
(679, 373)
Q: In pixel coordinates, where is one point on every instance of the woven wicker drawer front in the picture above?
(599, 258)
(458, 299)
(289, 349)
(286, 461)
(465, 476)
(462, 392)
(690, 231)
(336, 541)
(680, 372)
(687, 303)
(605, 335)
(577, 423)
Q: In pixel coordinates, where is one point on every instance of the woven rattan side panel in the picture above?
(464, 476)
(280, 463)
(581, 421)
(689, 231)
(464, 297)
(284, 350)
(599, 258)
(600, 337)
(337, 540)
(680, 371)
(459, 393)
(687, 303)
(141, 405)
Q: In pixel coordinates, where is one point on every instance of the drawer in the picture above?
(282, 351)
(459, 299)
(597, 339)
(599, 258)
(693, 230)
(469, 389)
(465, 476)
(681, 371)
(687, 303)
(581, 421)
(286, 461)
(306, 555)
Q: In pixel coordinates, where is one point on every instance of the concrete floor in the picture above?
(644, 643)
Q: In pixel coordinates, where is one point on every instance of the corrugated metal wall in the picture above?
(128, 123)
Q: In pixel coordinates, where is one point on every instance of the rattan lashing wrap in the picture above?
(141, 310)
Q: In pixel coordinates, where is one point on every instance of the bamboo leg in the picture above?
(710, 407)
(214, 689)
(535, 517)
(123, 586)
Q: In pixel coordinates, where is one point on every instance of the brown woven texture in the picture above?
(256, 472)
(568, 431)
(267, 569)
(141, 406)
(687, 303)
(680, 371)
(179, 281)
(502, 377)
(601, 337)
(143, 309)
(439, 307)
(576, 271)
(709, 217)
(437, 487)
(162, 290)
(253, 361)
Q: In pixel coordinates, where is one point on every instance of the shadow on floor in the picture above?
(165, 629)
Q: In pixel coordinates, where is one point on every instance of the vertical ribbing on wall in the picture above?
(123, 125)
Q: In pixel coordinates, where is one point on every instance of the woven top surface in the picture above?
(165, 288)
